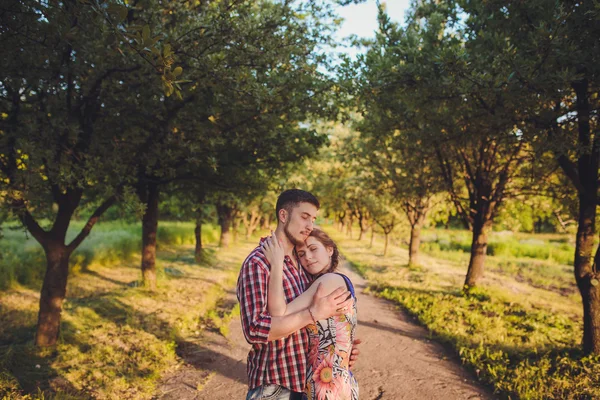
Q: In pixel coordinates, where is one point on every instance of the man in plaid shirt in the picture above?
(277, 361)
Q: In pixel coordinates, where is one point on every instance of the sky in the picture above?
(361, 19)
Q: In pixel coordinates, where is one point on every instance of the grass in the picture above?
(22, 260)
(555, 248)
(117, 338)
(519, 332)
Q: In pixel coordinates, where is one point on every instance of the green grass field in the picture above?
(117, 338)
(519, 332)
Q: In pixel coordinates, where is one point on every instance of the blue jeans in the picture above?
(271, 392)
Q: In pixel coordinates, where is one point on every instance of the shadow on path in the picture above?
(398, 331)
(203, 357)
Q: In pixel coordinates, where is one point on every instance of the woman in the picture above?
(331, 340)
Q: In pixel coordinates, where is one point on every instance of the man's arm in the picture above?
(251, 293)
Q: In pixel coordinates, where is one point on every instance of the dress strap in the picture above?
(348, 284)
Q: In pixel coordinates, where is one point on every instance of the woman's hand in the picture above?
(273, 249)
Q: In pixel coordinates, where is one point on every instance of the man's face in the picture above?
(300, 222)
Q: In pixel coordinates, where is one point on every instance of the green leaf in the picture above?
(177, 71)
(169, 90)
(123, 11)
(118, 12)
(167, 50)
(146, 33)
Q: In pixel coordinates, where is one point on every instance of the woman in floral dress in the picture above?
(329, 377)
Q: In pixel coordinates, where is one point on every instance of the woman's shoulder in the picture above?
(331, 280)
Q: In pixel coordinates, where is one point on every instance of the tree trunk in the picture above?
(341, 218)
(54, 287)
(361, 221)
(225, 214)
(349, 227)
(362, 224)
(385, 246)
(198, 234)
(372, 236)
(54, 290)
(415, 242)
(237, 222)
(478, 251)
(252, 222)
(266, 222)
(586, 272)
(416, 211)
(149, 229)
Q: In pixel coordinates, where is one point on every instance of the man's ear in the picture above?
(283, 215)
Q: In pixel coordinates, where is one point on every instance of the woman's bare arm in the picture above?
(273, 250)
(331, 285)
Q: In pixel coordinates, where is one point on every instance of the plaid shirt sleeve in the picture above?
(252, 289)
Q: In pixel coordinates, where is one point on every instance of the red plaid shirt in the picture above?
(283, 361)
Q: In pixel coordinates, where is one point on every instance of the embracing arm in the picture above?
(332, 284)
(275, 254)
(258, 325)
(297, 313)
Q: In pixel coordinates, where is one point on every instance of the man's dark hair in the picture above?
(290, 198)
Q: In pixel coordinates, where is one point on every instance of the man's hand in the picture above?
(354, 353)
(335, 303)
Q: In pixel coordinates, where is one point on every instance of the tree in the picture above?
(250, 78)
(391, 142)
(533, 66)
(383, 207)
(80, 122)
(58, 148)
(551, 53)
(458, 107)
(185, 203)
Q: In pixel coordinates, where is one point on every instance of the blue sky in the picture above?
(361, 19)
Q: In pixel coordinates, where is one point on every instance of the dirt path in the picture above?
(397, 360)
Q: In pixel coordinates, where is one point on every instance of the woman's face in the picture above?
(314, 256)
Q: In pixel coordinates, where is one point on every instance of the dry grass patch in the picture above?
(117, 338)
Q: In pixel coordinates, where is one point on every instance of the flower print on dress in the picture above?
(313, 354)
(326, 384)
(342, 334)
(345, 392)
(328, 375)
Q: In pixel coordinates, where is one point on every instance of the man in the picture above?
(277, 361)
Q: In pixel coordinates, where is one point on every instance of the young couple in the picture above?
(297, 313)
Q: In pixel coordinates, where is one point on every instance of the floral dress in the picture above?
(331, 341)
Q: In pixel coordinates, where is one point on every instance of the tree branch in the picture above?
(85, 231)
